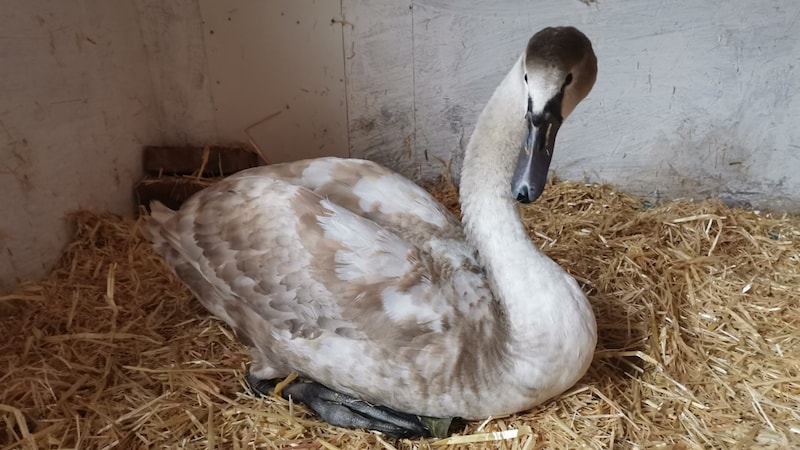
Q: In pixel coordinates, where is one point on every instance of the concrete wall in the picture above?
(693, 98)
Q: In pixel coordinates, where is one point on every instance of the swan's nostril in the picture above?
(524, 195)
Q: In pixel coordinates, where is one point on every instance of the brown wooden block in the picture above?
(220, 161)
(171, 191)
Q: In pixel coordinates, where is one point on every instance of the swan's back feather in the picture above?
(285, 266)
(370, 191)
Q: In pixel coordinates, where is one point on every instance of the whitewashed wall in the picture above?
(277, 71)
(76, 106)
(693, 98)
(175, 50)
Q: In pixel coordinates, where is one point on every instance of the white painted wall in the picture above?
(175, 50)
(84, 84)
(76, 106)
(278, 75)
(693, 98)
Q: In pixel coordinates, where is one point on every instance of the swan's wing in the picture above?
(307, 266)
(371, 191)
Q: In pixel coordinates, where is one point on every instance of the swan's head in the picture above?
(560, 69)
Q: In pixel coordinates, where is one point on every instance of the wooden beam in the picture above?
(171, 191)
(219, 161)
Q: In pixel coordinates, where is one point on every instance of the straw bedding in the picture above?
(698, 321)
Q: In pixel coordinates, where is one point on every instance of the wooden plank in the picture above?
(220, 161)
(171, 191)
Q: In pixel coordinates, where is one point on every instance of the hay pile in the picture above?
(697, 310)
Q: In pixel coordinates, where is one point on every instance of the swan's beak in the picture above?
(533, 162)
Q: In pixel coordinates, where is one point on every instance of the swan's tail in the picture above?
(161, 229)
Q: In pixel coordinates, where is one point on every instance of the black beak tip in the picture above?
(526, 194)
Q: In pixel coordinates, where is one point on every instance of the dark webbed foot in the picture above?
(343, 410)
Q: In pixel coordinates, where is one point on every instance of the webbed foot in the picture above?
(343, 410)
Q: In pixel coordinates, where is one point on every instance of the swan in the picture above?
(388, 306)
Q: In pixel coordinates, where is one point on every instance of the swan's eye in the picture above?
(568, 80)
(526, 77)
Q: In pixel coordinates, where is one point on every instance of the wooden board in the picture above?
(219, 161)
(171, 191)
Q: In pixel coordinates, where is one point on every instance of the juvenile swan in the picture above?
(357, 279)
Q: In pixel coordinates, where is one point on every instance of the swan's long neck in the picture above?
(520, 274)
(551, 324)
